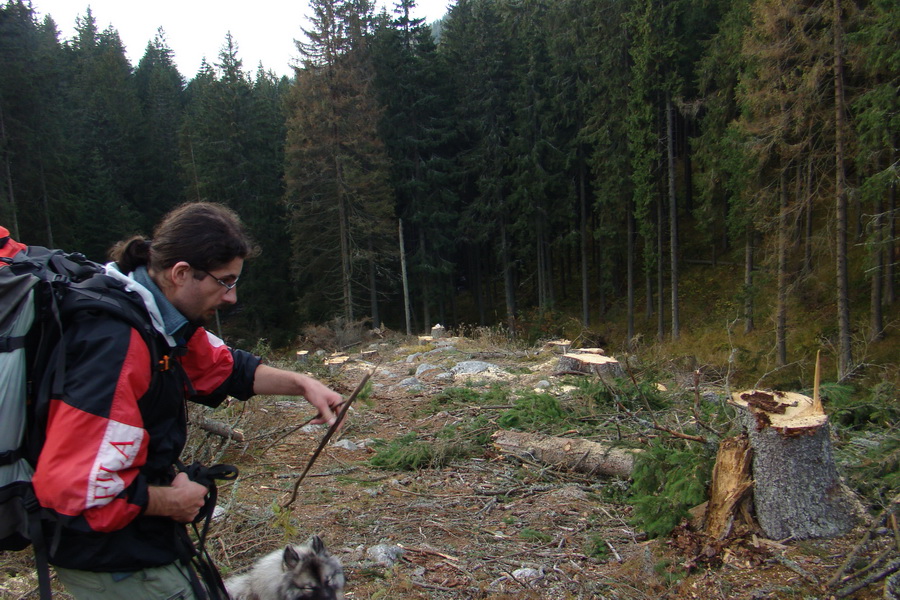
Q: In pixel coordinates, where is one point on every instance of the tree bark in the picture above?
(582, 456)
(630, 270)
(673, 218)
(797, 491)
(876, 318)
(219, 428)
(406, 306)
(781, 309)
(749, 324)
(583, 232)
(845, 358)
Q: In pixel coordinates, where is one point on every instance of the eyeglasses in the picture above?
(227, 286)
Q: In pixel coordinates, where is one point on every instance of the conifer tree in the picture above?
(787, 100)
(160, 90)
(412, 88)
(336, 171)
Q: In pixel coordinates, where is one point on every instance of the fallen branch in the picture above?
(893, 567)
(219, 428)
(887, 513)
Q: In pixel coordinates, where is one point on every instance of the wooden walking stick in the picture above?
(328, 434)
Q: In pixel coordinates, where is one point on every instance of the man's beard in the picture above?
(204, 320)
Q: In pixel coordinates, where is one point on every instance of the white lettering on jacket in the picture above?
(118, 450)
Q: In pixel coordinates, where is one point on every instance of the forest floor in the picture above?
(489, 526)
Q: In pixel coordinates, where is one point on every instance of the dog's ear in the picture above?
(290, 558)
(316, 544)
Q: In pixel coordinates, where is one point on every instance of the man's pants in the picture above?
(170, 582)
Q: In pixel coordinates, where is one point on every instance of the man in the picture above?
(111, 442)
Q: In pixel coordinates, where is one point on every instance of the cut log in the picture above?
(730, 486)
(797, 490)
(302, 356)
(604, 366)
(438, 331)
(582, 456)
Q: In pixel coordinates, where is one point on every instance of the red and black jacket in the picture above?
(118, 429)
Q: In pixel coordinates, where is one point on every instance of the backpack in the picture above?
(40, 289)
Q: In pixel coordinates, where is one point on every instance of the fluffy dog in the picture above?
(306, 572)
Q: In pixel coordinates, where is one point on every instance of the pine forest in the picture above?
(631, 170)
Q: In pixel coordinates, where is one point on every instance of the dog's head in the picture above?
(311, 573)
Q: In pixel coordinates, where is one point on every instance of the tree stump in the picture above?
(335, 362)
(559, 346)
(797, 490)
(588, 363)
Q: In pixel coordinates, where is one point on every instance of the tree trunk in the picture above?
(426, 287)
(582, 202)
(582, 456)
(845, 358)
(629, 243)
(45, 201)
(781, 309)
(660, 277)
(748, 281)
(373, 286)
(797, 491)
(673, 217)
(406, 305)
(889, 289)
(344, 232)
(809, 230)
(508, 286)
(876, 320)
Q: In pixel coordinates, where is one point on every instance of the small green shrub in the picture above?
(853, 409)
(408, 453)
(667, 482)
(533, 411)
(535, 535)
(596, 547)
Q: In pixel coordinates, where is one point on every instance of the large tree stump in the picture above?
(797, 490)
(582, 456)
(590, 363)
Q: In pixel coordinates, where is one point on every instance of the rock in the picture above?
(543, 384)
(409, 382)
(346, 444)
(472, 367)
(385, 554)
(424, 367)
(527, 574)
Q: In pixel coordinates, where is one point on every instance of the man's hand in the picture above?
(181, 501)
(272, 381)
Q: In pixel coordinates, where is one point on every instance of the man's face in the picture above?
(202, 292)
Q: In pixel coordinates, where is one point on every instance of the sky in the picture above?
(264, 30)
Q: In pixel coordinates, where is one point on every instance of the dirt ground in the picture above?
(492, 527)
